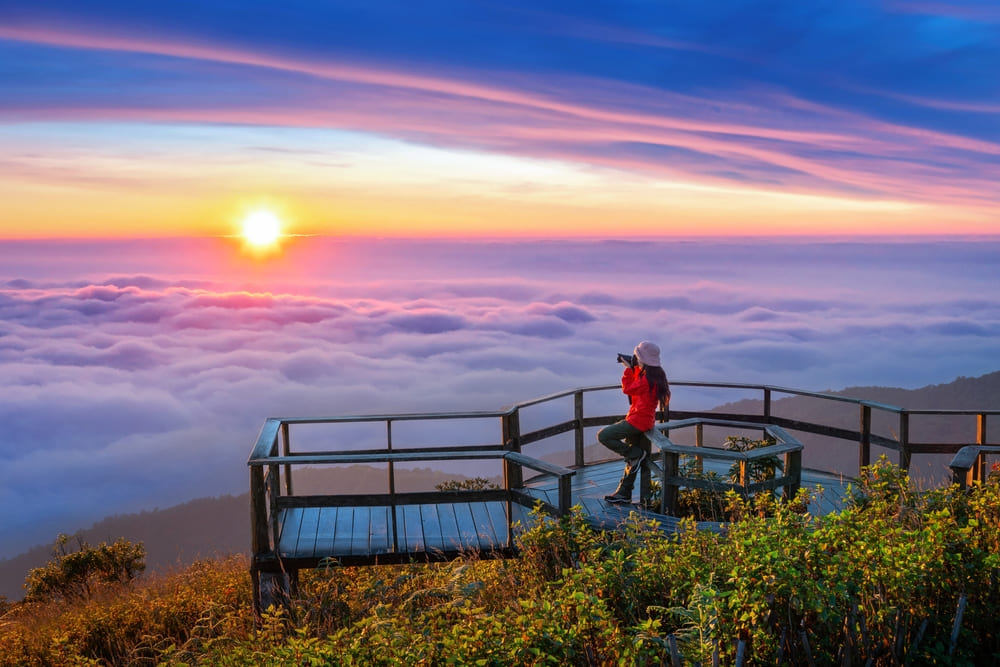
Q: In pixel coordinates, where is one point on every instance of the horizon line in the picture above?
(540, 238)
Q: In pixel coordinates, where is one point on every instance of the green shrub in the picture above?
(705, 505)
(77, 574)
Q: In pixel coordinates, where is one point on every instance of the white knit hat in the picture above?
(648, 353)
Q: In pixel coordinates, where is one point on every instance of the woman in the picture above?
(645, 384)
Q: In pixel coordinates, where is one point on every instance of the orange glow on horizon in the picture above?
(403, 192)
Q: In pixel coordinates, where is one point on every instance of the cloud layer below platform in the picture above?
(136, 389)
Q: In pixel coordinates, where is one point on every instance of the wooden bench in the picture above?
(671, 452)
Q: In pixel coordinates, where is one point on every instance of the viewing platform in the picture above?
(540, 453)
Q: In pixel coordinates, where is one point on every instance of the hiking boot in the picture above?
(619, 499)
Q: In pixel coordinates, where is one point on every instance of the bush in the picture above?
(205, 606)
(704, 505)
(77, 574)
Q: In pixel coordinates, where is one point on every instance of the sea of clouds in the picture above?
(136, 374)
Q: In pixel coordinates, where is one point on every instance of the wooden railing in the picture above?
(670, 453)
(273, 451)
(969, 464)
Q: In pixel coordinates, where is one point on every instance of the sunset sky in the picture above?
(374, 118)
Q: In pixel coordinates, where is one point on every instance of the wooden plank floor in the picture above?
(364, 534)
(361, 533)
(594, 481)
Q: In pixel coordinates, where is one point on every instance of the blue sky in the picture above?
(683, 114)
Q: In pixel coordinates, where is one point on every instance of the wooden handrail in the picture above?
(790, 479)
(265, 459)
(968, 466)
(414, 456)
(267, 440)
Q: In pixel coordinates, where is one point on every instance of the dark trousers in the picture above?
(626, 440)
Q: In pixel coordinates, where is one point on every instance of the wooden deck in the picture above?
(365, 535)
(309, 536)
(291, 531)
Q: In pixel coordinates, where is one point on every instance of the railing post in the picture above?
(286, 448)
(699, 441)
(258, 512)
(392, 486)
(669, 497)
(565, 495)
(865, 446)
(981, 440)
(388, 445)
(904, 440)
(578, 416)
(767, 405)
(507, 471)
(645, 478)
(793, 472)
(511, 426)
(273, 491)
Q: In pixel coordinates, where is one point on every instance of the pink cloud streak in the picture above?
(892, 155)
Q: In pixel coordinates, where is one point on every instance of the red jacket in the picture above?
(642, 399)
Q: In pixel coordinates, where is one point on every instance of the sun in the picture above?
(261, 228)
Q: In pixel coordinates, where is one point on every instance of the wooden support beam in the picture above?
(904, 441)
(793, 473)
(578, 442)
(865, 445)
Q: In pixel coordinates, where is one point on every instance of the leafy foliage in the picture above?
(878, 583)
(706, 505)
(472, 484)
(77, 573)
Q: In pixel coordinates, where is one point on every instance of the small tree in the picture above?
(474, 484)
(76, 574)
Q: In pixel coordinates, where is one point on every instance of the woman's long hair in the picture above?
(657, 379)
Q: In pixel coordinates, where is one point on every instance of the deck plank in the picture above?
(484, 526)
(412, 536)
(288, 535)
(306, 544)
(498, 517)
(326, 532)
(468, 529)
(345, 531)
(432, 527)
(451, 536)
(380, 539)
(361, 535)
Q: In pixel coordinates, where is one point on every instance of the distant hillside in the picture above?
(207, 527)
(981, 393)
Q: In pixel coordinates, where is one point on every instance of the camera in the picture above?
(626, 359)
